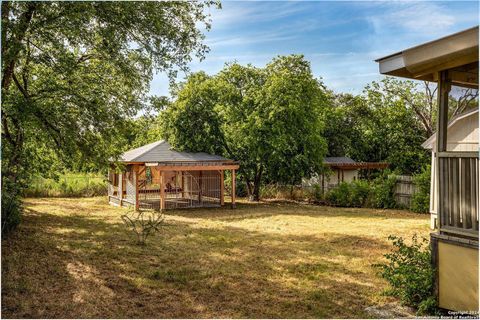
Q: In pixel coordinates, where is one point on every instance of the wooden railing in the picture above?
(458, 193)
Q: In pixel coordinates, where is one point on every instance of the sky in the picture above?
(341, 39)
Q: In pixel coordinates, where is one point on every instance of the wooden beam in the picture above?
(183, 184)
(323, 183)
(233, 189)
(135, 177)
(200, 187)
(120, 186)
(222, 188)
(198, 168)
(444, 86)
(162, 190)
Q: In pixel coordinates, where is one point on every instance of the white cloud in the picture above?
(236, 12)
(424, 17)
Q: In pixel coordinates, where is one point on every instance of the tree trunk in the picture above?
(256, 186)
(12, 49)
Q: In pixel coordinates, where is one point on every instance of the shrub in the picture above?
(410, 273)
(382, 193)
(314, 193)
(143, 223)
(421, 197)
(354, 194)
(68, 185)
(284, 192)
(11, 211)
(11, 206)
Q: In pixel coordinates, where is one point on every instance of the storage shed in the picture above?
(462, 135)
(342, 169)
(157, 177)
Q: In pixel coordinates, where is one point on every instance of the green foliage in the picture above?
(266, 118)
(382, 192)
(316, 194)
(378, 193)
(410, 274)
(380, 125)
(68, 185)
(421, 197)
(11, 210)
(353, 194)
(286, 192)
(74, 73)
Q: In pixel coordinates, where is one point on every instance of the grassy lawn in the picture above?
(72, 258)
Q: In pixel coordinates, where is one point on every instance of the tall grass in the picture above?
(68, 185)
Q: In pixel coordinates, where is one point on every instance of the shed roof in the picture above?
(333, 160)
(161, 151)
(346, 163)
(456, 52)
(428, 144)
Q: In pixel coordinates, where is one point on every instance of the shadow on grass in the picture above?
(79, 265)
(247, 210)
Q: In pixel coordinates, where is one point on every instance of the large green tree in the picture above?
(266, 118)
(379, 125)
(74, 72)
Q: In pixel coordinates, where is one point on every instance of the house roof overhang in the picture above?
(457, 52)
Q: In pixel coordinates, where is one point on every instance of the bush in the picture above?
(314, 193)
(382, 192)
(11, 205)
(354, 194)
(410, 274)
(421, 198)
(11, 211)
(68, 185)
(284, 192)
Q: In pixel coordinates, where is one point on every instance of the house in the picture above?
(462, 135)
(451, 61)
(341, 169)
(155, 176)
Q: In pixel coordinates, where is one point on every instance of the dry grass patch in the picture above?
(73, 258)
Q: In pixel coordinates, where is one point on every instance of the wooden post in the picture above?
(323, 183)
(120, 187)
(233, 189)
(183, 184)
(222, 188)
(443, 91)
(109, 184)
(135, 177)
(162, 190)
(200, 187)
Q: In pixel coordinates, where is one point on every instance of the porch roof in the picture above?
(457, 52)
(161, 152)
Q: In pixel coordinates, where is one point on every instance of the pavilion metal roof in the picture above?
(161, 151)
